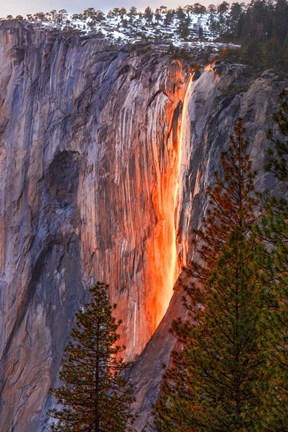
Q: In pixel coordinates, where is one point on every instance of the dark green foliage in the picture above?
(180, 13)
(262, 31)
(212, 384)
(232, 201)
(235, 16)
(94, 395)
(274, 229)
(169, 16)
(148, 13)
(183, 28)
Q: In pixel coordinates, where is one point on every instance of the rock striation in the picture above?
(92, 146)
(215, 100)
(88, 157)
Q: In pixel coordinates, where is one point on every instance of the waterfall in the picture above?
(176, 261)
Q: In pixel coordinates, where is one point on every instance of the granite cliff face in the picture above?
(214, 102)
(89, 162)
(102, 177)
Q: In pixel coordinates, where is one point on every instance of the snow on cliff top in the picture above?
(180, 28)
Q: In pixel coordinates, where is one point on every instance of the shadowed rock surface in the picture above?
(89, 148)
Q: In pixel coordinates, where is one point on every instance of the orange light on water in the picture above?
(162, 250)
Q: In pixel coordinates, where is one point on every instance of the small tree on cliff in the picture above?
(94, 396)
(218, 364)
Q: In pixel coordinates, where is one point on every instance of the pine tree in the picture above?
(217, 364)
(232, 202)
(274, 229)
(94, 396)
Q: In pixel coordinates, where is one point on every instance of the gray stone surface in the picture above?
(214, 103)
(87, 172)
(89, 147)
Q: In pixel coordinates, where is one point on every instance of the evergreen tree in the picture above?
(233, 201)
(217, 364)
(94, 396)
(148, 14)
(180, 13)
(275, 231)
(183, 29)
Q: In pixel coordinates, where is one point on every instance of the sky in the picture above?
(22, 7)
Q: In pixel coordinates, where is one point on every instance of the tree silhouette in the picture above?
(94, 396)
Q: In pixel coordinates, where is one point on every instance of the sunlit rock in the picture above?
(89, 165)
(104, 166)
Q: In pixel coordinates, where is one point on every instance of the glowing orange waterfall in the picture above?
(184, 148)
(162, 252)
(179, 151)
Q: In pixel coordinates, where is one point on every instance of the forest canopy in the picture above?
(260, 28)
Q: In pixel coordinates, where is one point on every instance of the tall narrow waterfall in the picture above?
(174, 268)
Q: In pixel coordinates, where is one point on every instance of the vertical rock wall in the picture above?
(88, 164)
(215, 101)
(222, 95)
